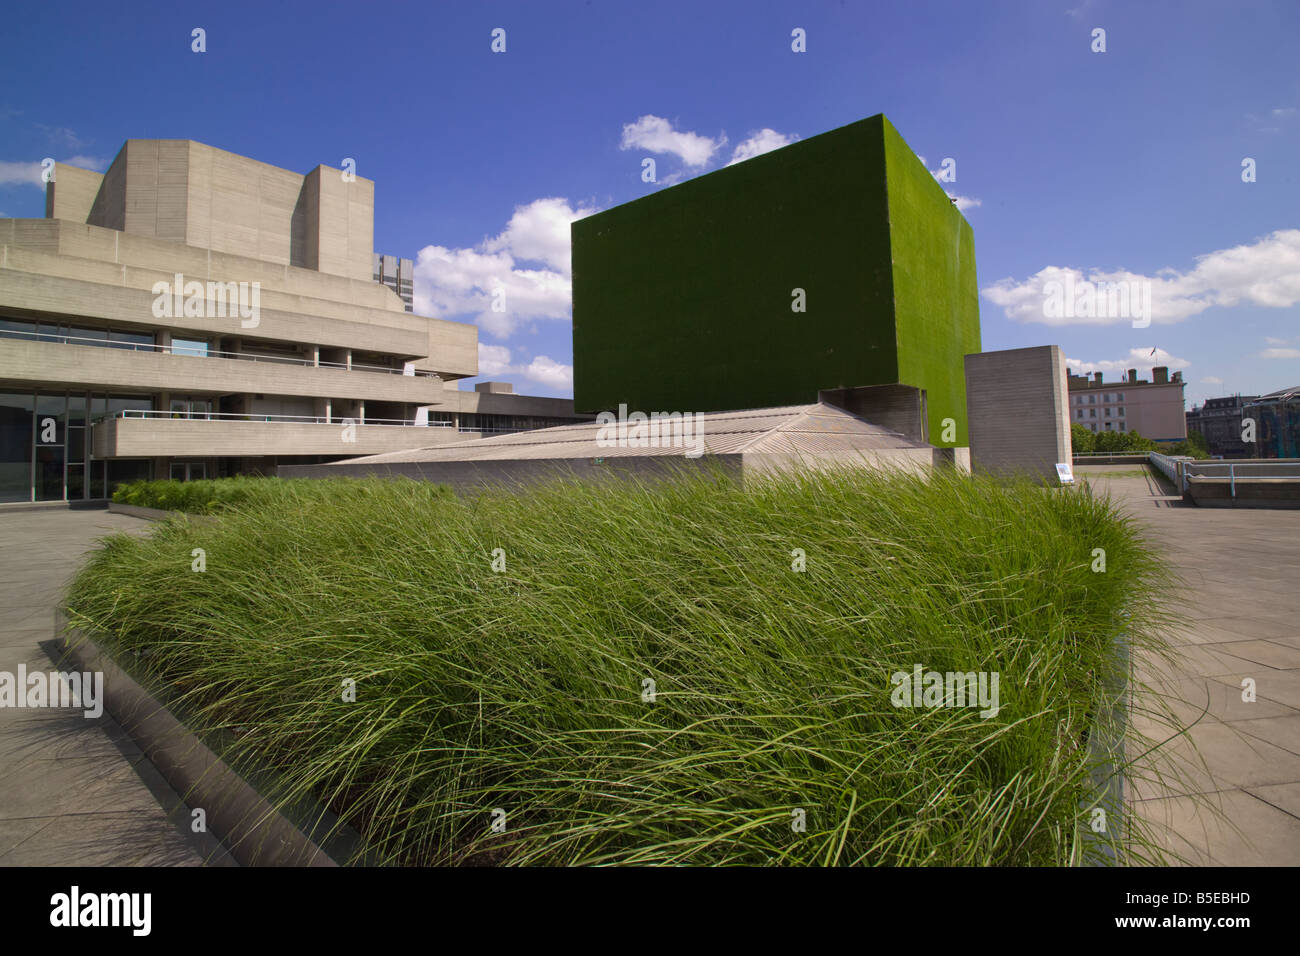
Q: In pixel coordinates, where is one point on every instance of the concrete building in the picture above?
(191, 312)
(1018, 403)
(398, 275)
(834, 269)
(1153, 409)
(1219, 422)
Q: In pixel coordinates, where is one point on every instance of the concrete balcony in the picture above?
(88, 367)
(153, 435)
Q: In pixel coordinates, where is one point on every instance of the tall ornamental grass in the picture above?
(213, 495)
(621, 672)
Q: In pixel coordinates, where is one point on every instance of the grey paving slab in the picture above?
(1224, 790)
(1228, 828)
(73, 791)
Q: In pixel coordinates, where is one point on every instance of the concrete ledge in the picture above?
(136, 511)
(94, 504)
(1138, 459)
(251, 827)
(156, 514)
(1207, 492)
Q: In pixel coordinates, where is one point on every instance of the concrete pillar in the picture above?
(347, 358)
(1018, 408)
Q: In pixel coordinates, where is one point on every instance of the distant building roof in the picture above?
(792, 429)
(1282, 394)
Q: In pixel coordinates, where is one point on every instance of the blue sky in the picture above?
(1124, 164)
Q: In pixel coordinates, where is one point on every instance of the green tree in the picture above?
(1081, 439)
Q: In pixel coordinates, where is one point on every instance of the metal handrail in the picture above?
(1180, 469)
(284, 419)
(209, 353)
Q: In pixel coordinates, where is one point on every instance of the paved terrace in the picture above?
(1234, 795)
(73, 791)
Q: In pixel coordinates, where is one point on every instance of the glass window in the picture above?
(16, 446)
(50, 332)
(76, 482)
(129, 340)
(76, 444)
(97, 479)
(127, 469)
(15, 329)
(49, 472)
(196, 347)
(121, 403)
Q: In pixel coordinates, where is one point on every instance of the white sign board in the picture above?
(1064, 473)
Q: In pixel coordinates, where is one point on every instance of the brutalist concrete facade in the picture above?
(1018, 403)
(191, 312)
(687, 299)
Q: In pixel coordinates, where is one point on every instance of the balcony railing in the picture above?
(207, 353)
(284, 419)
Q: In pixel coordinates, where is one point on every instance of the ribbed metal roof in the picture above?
(1282, 394)
(789, 430)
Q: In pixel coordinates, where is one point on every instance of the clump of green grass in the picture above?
(213, 495)
(524, 689)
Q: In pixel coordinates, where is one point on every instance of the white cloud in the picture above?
(764, 141)
(494, 362)
(30, 173)
(1140, 359)
(656, 135)
(1280, 354)
(493, 359)
(470, 282)
(539, 232)
(546, 371)
(1264, 273)
(97, 163)
(1272, 120)
(63, 136)
(1211, 380)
